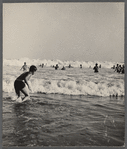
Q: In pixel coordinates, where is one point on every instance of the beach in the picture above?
(74, 107)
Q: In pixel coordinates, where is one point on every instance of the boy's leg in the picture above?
(17, 90)
(18, 94)
(25, 92)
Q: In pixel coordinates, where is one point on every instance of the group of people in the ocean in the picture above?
(118, 68)
(96, 67)
(63, 68)
(23, 80)
(41, 65)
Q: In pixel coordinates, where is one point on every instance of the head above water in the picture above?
(33, 68)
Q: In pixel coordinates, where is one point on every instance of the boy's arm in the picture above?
(21, 68)
(27, 81)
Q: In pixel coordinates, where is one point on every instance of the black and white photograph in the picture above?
(63, 74)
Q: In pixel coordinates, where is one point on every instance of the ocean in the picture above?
(71, 107)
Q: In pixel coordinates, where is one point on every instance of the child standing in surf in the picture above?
(21, 82)
(24, 67)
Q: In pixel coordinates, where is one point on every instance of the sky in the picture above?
(83, 31)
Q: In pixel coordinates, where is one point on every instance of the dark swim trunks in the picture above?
(18, 85)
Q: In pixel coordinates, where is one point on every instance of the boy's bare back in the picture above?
(25, 76)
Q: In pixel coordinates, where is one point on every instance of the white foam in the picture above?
(72, 81)
(71, 87)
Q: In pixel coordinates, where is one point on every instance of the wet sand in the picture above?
(60, 120)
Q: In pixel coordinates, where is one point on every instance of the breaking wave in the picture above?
(19, 62)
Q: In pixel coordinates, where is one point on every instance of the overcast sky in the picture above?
(65, 31)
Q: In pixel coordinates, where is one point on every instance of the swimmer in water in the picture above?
(63, 68)
(117, 68)
(122, 69)
(42, 65)
(56, 67)
(24, 67)
(21, 82)
(80, 65)
(96, 68)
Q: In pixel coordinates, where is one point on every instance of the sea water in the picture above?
(72, 81)
(72, 107)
